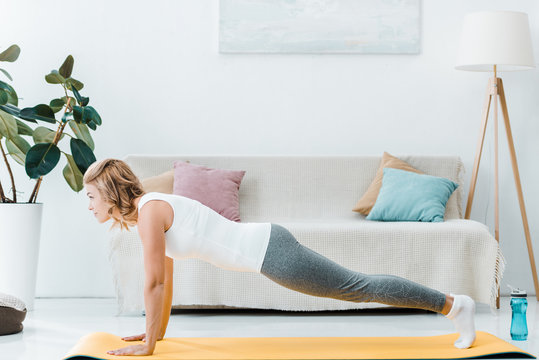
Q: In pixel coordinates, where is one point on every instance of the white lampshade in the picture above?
(500, 38)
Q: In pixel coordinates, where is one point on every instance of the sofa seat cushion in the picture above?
(371, 227)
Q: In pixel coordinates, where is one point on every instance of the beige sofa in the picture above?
(313, 197)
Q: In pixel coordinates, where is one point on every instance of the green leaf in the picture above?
(77, 95)
(56, 105)
(82, 154)
(10, 54)
(81, 132)
(44, 135)
(94, 115)
(3, 97)
(23, 129)
(4, 86)
(67, 67)
(83, 101)
(72, 174)
(55, 78)
(91, 125)
(73, 83)
(81, 114)
(8, 125)
(77, 113)
(41, 112)
(13, 110)
(13, 99)
(18, 147)
(7, 74)
(86, 114)
(41, 159)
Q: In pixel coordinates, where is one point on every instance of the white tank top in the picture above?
(198, 231)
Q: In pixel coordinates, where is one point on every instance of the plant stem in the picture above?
(36, 188)
(59, 132)
(32, 196)
(10, 175)
(2, 197)
(68, 100)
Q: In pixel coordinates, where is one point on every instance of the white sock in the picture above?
(462, 315)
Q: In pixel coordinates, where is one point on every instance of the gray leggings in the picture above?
(294, 266)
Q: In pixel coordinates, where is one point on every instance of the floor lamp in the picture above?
(497, 41)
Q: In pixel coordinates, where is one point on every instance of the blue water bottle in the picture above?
(519, 304)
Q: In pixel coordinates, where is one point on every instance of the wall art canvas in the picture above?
(320, 26)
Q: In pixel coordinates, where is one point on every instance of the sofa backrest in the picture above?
(297, 188)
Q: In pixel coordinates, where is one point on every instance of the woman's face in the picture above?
(97, 205)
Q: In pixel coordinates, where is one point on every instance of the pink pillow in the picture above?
(216, 188)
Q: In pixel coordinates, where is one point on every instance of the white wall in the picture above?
(153, 71)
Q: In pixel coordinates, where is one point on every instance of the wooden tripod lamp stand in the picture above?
(497, 41)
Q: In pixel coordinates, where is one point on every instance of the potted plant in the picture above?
(20, 221)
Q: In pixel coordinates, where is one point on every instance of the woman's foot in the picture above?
(462, 314)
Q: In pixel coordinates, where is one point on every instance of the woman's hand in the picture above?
(141, 349)
(138, 338)
(135, 337)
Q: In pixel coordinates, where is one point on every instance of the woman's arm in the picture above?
(167, 305)
(151, 232)
(151, 225)
(153, 298)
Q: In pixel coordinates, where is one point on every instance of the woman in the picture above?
(176, 227)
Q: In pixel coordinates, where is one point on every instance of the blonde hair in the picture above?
(118, 186)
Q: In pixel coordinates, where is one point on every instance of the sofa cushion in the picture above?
(12, 314)
(367, 201)
(163, 183)
(215, 188)
(407, 196)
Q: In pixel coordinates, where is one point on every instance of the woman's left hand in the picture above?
(141, 349)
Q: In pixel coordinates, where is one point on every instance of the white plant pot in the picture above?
(20, 232)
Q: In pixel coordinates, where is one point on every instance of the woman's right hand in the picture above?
(138, 337)
(135, 337)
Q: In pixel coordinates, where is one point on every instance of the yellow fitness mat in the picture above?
(96, 345)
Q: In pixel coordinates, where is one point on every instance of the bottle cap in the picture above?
(518, 293)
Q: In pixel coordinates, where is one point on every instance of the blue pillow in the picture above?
(408, 196)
